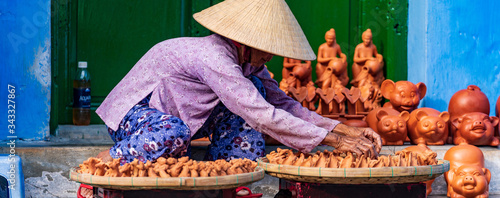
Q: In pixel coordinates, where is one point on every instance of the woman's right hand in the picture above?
(358, 145)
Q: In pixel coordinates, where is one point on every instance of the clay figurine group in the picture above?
(331, 71)
(467, 119)
(466, 123)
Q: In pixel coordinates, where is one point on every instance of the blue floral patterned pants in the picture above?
(147, 134)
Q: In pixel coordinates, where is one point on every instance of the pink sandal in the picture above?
(250, 195)
(80, 189)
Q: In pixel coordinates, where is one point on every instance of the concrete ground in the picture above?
(46, 164)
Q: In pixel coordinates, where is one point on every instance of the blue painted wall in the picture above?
(453, 44)
(25, 64)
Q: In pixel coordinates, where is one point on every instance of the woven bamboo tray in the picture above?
(173, 183)
(385, 175)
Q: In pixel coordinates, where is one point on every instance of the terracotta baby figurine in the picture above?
(366, 55)
(475, 128)
(113, 168)
(428, 126)
(100, 169)
(403, 95)
(142, 169)
(125, 170)
(460, 155)
(150, 169)
(133, 167)
(470, 181)
(389, 124)
(330, 56)
(161, 170)
(89, 165)
(296, 73)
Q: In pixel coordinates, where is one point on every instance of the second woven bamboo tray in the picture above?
(172, 183)
(384, 175)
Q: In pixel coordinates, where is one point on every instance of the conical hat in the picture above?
(267, 25)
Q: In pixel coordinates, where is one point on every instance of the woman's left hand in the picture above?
(360, 132)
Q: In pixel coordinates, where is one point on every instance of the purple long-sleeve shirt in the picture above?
(190, 76)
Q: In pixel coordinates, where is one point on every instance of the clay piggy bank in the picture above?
(389, 124)
(403, 95)
(428, 126)
(470, 181)
(475, 128)
(423, 150)
(463, 154)
(468, 100)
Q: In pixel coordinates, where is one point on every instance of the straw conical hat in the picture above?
(267, 25)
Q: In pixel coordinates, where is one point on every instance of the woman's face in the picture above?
(258, 58)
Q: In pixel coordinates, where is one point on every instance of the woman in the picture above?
(188, 88)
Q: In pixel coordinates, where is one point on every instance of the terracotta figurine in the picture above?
(428, 126)
(471, 99)
(470, 181)
(389, 124)
(475, 128)
(368, 63)
(330, 56)
(331, 100)
(468, 100)
(296, 73)
(403, 95)
(371, 97)
(463, 154)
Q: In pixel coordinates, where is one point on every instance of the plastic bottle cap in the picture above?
(82, 64)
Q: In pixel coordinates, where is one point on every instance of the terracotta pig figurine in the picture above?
(475, 128)
(428, 126)
(470, 181)
(389, 124)
(468, 100)
(403, 95)
(463, 154)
